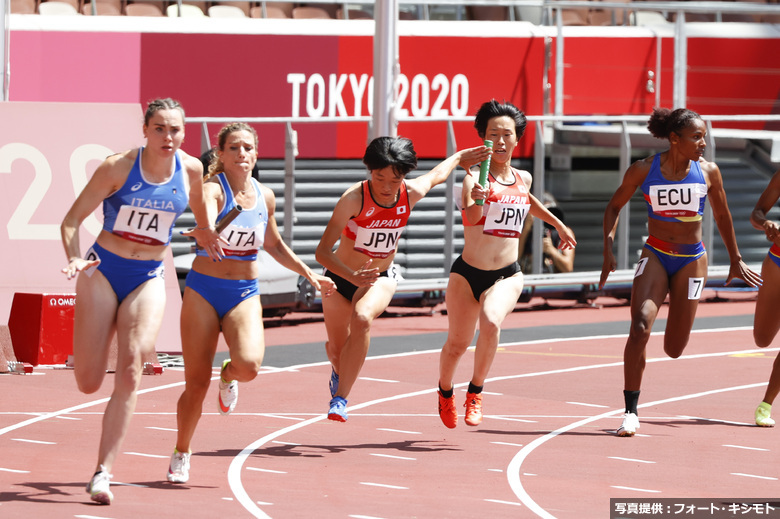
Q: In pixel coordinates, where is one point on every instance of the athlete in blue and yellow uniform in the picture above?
(675, 184)
(765, 321)
(367, 223)
(120, 288)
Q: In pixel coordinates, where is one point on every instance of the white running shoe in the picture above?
(630, 425)
(179, 470)
(98, 487)
(763, 418)
(228, 393)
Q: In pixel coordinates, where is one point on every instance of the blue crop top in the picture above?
(143, 211)
(246, 233)
(670, 201)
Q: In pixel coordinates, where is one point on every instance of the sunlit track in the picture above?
(553, 401)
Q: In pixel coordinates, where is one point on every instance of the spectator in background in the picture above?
(555, 259)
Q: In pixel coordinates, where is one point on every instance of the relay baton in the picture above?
(223, 222)
(228, 218)
(483, 172)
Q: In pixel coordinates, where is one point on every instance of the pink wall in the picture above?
(75, 66)
(48, 151)
(260, 75)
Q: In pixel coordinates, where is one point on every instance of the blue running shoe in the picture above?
(338, 409)
(334, 382)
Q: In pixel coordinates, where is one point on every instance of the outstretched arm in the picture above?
(722, 216)
(283, 254)
(420, 186)
(203, 209)
(758, 217)
(106, 179)
(633, 178)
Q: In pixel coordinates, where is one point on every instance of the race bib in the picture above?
(677, 200)
(505, 220)
(378, 242)
(144, 225)
(244, 241)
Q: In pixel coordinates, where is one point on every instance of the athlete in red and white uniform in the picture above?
(367, 222)
(485, 281)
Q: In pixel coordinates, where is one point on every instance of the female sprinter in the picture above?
(225, 295)
(120, 285)
(765, 322)
(485, 281)
(675, 184)
(368, 220)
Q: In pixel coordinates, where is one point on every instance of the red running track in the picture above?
(545, 449)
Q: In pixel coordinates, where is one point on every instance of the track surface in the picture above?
(545, 448)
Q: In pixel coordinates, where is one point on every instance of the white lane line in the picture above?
(507, 443)
(134, 485)
(379, 380)
(588, 405)
(632, 489)
(234, 471)
(257, 469)
(392, 456)
(500, 502)
(513, 470)
(2, 469)
(629, 459)
(91, 516)
(753, 476)
(509, 419)
(68, 418)
(398, 431)
(279, 416)
(383, 485)
(168, 429)
(364, 517)
(33, 441)
(746, 448)
(69, 410)
(495, 470)
(145, 455)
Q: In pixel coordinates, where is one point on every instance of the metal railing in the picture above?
(628, 124)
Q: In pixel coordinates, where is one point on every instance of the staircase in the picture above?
(318, 186)
(320, 183)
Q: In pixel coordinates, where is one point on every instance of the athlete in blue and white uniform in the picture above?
(675, 184)
(224, 296)
(765, 322)
(120, 287)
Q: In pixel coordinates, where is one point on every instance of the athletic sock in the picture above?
(631, 398)
(446, 394)
(475, 389)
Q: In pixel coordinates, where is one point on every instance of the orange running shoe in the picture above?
(473, 407)
(447, 411)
